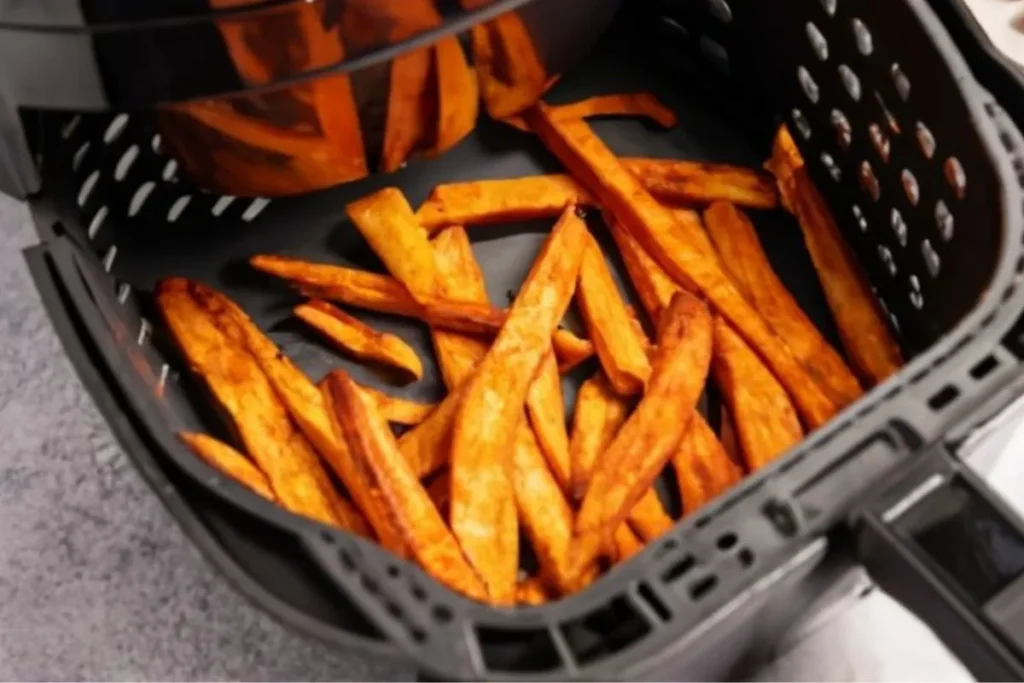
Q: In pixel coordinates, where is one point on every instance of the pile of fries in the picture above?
(496, 457)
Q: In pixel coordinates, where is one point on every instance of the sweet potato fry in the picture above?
(652, 434)
(409, 110)
(652, 284)
(387, 222)
(483, 511)
(457, 95)
(648, 517)
(440, 491)
(599, 413)
(766, 423)
(531, 592)
(727, 436)
(703, 469)
(736, 240)
(305, 405)
(676, 247)
(640, 104)
(509, 71)
(369, 439)
(685, 182)
(353, 336)
(570, 349)
(619, 348)
(244, 393)
(626, 544)
(546, 410)
(426, 446)
(399, 411)
(229, 462)
(864, 332)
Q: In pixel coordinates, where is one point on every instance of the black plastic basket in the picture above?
(924, 171)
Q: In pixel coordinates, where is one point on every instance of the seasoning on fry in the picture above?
(230, 462)
(641, 104)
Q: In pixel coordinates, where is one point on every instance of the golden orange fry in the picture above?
(546, 410)
(641, 104)
(400, 411)
(483, 510)
(531, 592)
(766, 423)
(703, 469)
(599, 413)
(651, 435)
(652, 284)
(570, 349)
(751, 271)
(354, 336)
(457, 95)
(397, 488)
(677, 246)
(863, 330)
(625, 544)
(230, 462)
(648, 517)
(686, 182)
(509, 71)
(608, 321)
(409, 107)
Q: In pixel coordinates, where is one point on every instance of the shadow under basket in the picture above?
(908, 142)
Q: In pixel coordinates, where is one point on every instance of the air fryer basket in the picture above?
(940, 239)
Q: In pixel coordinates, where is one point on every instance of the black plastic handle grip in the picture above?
(947, 547)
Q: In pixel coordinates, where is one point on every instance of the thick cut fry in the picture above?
(531, 592)
(509, 71)
(457, 95)
(641, 104)
(546, 410)
(648, 517)
(399, 411)
(517, 199)
(369, 439)
(652, 434)
(600, 411)
(625, 544)
(409, 107)
(703, 469)
(387, 222)
(744, 259)
(652, 284)
(727, 435)
(766, 423)
(483, 511)
(245, 395)
(354, 336)
(383, 294)
(230, 462)
(619, 348)
(865, 335)
(678, 247)
(305, 405)
(427, 445)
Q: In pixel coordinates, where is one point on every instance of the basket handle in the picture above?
(946, 546)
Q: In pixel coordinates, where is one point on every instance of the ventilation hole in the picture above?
(222, 205)
(862, 222)
(900, 80)
(109, 258)
(802, 125)
(255, 209)
(157, 143)
(702, 522)
(886, 256)
(419, 592)
(69, 128)
(393, 609)
(944, 220)
(865, 43)
(850, 81)
(916, 298)
(880, 141)
(393, 571)
(124, 291)
(956, 177)
(829, 6)
(830, 165)
(701, 588)
(124, 164)
(140, 197)
(678, 570)
(170, 173)
(178, 208)
(326, 536)
(818, 42)
(87, 187)
(868, 181)
(442, 614)
(899, 227)
(943, 397)
(652, 600)
(984, 367)
(844, 133)
(604, 631)
(808, 84)
(720, 10)
(115, 128)
(925, 140)
(890, 120)
(910, 187)
(726, 542)
(370, 584)
(745, 557)
(417, 634)
(715, 52)
(76, 161)
(97, 222)
(931, 259)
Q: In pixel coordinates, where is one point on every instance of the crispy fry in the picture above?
(400, 411)
(744, 259)
(359, 339)
(865, 335)
(570, 350)
(652, 434)
(677, 247)
(230, 462)
(387, 222)
(703, 469)
(648, 517)
(245, 395)
(408, 115)
(727, 436)
(483, 501)
(625, 544)
(531, 592)
(600, 411)
(766, 422)
(457, 95)
(652, 284)
(426, 446)
(355, 420)
(619, 348)
(546, 410)
(509, 71)
(641, 104)
(305, 405)
(685, 182)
